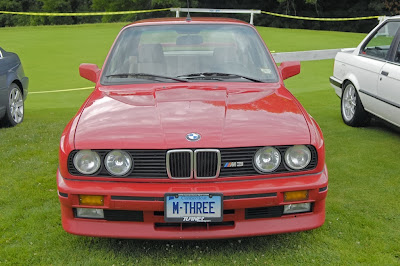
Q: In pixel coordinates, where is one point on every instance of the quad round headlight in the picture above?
(118, 162)
(267, 159)
(87, 162)
(298, 157)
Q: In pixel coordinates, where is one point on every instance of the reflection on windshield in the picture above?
(184, 50)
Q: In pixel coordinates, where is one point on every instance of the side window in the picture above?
(378, 46)
(396, 58)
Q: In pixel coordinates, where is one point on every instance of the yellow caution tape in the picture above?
(82, 14)
(167, 9)
(77, 89)
(319, 19)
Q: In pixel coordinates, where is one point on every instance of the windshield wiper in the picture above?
(216, 75)
(144, 76)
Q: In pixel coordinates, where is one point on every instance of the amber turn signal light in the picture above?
(296, 195)
(91, 200)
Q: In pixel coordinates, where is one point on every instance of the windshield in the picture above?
(176, 53)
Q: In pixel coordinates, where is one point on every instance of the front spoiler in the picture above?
(148, 197)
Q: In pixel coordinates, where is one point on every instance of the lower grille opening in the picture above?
(193, 226)
(161, 213)
(263, 212)
(228, 223)
(229, 211)
(122, 215)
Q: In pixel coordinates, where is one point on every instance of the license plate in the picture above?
(193, 208)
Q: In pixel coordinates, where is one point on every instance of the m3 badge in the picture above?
(233, 164)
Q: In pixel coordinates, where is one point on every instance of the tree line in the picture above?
(306, 8)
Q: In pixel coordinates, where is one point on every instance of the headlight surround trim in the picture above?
(90, 157)
(127, 162)
(301, 153)
(273, 159)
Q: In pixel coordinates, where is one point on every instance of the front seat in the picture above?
(151, 59)
(226, 60)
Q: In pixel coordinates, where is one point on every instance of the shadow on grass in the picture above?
(379, 124)
(180, 251)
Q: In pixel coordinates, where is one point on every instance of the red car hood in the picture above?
(161, 117)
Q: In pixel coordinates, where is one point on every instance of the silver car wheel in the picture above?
(349, 102)
(16, 103)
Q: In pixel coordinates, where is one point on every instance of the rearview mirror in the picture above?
(289, 69)
(89, 71)
(189, 40)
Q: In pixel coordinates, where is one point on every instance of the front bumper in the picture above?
(251, 208)
(25, 82)
(337, 85)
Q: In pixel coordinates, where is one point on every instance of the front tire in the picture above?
(15, 106)
(353, 113)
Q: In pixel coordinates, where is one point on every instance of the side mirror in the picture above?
(289, 69)
(89, 71)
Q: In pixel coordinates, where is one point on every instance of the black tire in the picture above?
(15, 106)
(352, 110)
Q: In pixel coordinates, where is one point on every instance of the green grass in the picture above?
(362, 213)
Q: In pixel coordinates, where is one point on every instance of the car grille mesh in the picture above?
(123, 215)
(245, 155)
(263, 212)
(147, 164)
(206, 164)
(152, 164)
(180, 164)
(200, 163)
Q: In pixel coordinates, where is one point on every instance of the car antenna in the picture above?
(188, 18)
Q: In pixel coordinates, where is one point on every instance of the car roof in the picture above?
(387, 18)
(182, 20)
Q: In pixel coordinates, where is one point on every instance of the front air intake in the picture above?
(180, 164)
(207, 163)
(199, 164)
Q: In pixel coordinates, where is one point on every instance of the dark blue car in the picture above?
(13, 89)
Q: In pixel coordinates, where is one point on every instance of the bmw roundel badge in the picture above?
(193, 137)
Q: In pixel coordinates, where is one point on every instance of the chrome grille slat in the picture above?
(179, 164)
(207, 163)
(200, 163)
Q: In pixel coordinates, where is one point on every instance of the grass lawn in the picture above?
(362, 213)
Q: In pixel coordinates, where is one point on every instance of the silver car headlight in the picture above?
(298, 157)
(87, 162)
(267, 159)
(118, 162)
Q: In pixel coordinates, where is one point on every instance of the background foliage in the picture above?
(310, 8)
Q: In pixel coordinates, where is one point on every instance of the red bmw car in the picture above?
(191, 134)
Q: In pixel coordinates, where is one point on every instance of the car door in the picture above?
(389, 87)
(3, 71)
(3, 82)
(373, 56)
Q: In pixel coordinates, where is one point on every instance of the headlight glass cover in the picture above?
(87, 162)
(298, 157)
(267, 159)
(118, 162)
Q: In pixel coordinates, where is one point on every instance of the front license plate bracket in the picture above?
(193, 207)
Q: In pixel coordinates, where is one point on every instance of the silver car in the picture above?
(367, 79)
(13, 89)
